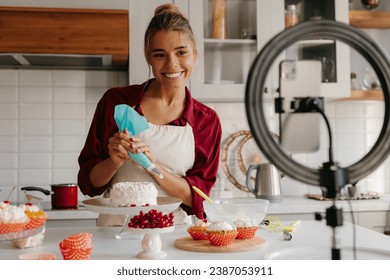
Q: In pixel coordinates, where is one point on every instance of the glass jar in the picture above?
(355, 85)
(291, 16)
(370, 79)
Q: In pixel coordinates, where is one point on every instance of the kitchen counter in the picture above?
(289, 205)
(298, 204)
(312, 240)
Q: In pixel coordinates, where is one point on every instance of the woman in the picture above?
(184, 137)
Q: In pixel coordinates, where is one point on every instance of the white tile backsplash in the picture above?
(35, 127)
(35, 78)
(8, 127)
(8, 94)
(8, 111)
(37, 160)
(69, 127)
(8, 144)
(69, 94)
(8, 77)
(65, 160)
(8, 160)
(35, 144)
(35, 94)
(69, 78)
(68, 143)
(34, 177)
(35, 111)
(68, 111)
(45, 116)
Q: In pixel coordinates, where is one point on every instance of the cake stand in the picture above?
(102, 206)
(151, 243)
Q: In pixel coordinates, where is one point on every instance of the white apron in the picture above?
(174, 149)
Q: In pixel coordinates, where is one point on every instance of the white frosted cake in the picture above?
(128, 194)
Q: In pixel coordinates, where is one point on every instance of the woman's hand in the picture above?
(118, 147)
(138, 146)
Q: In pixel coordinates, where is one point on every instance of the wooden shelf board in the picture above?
(369, 19)
(359, 95)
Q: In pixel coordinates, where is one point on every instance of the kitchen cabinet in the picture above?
(85, 4)
(224, 62)
(65, 31)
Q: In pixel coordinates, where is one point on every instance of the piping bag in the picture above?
(127, 118)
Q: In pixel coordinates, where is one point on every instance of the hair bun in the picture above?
(167, 9)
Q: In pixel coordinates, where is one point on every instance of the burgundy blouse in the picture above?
(205, 124)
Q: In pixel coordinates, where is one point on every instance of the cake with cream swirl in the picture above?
(131, 194)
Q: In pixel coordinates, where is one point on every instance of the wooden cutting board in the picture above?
(238, 245)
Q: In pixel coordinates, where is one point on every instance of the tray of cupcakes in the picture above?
(231, 226)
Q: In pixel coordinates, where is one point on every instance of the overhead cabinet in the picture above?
(66, 31)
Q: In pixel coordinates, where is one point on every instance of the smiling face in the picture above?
(172, 56)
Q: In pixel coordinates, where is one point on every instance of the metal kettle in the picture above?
(267, 182)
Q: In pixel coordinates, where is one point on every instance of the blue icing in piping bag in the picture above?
(127, 118)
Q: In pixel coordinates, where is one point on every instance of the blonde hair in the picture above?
(168, 17)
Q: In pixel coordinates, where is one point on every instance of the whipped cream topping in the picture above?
(12, 214)
(3, 205)
(201, 223)
(241, 223)
(220, 226)
(30, 208)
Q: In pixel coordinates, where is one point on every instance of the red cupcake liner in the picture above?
(198, 234)
(222, 238)
(246, 233)
(11, 227)
(77, 247)
(36, 222)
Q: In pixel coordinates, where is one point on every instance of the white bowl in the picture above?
(234, 209)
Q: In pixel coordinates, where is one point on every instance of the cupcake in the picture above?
(221, 233)
(12, 219)
(246, 229)
(30, 241)
(37, 216)
(198, 230)
(77, 247)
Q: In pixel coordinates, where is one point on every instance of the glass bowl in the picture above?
(234, 209)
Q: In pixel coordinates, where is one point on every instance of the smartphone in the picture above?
(299, 132)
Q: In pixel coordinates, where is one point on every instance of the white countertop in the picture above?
(312, 240)
(289, 205)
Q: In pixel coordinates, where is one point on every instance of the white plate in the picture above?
(324, 253)
(102, 206)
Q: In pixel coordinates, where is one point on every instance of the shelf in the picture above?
(227, 42)
(360, 95)
(369, 19)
